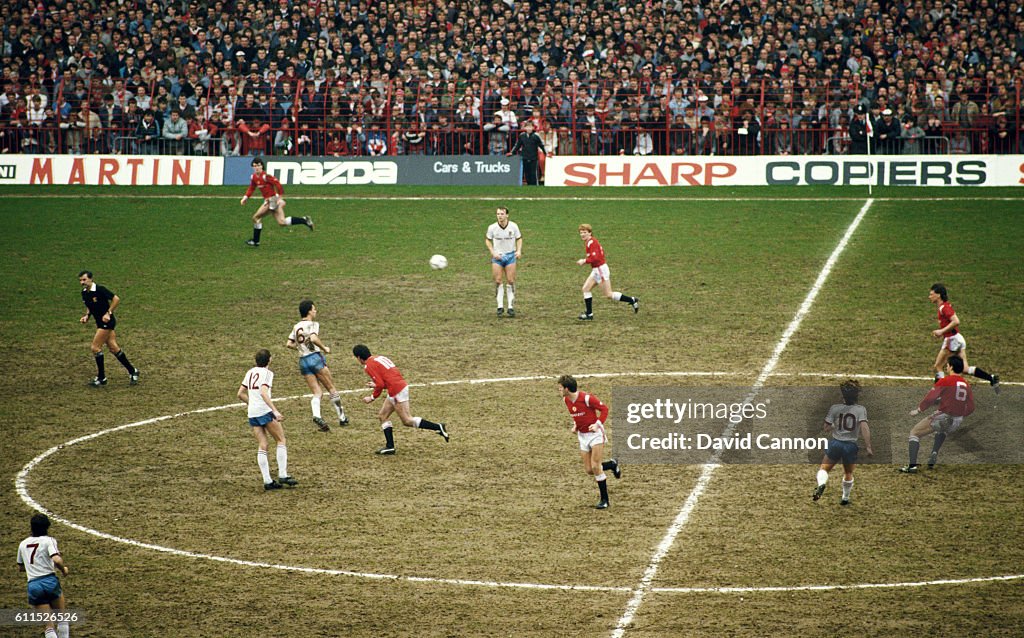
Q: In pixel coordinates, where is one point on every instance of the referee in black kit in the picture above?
(529, 143)
(101, 303)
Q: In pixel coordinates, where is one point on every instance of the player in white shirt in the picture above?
(505, 243)
(40, 559)
(305, 337)
(847, 422)
(264, 418)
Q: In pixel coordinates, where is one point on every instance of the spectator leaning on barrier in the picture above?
(887, 133)
(175, 134)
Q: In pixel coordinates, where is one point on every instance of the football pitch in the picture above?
(167, 529)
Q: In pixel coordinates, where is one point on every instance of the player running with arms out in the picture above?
(101, 303)
(385, 375)
(953, 342)
(505, 244)
(273, 202)
(846, 421)
(263, 419)
(955, 399)
(589, 415)
(40, 559)
(305, 337)
(599, 275)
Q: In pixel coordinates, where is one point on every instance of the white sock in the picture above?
(601, 477)
(315, 404)
(616, 296)
(258, 225)
(385, 425)
(63, 630)
(970, 369)
(588, 295)
(847, 486)
(282, 460)
(940, 375)
(261, 460)
(500, 294)
(336, 402)
(822, 477)
(50, 633)
(511, 288)
(416, 421)
(288, 221)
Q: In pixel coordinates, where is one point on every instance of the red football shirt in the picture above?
(946, 313)
(268, 185)
(585, 411)
(595, 254)
(385, 375)
(953, 394)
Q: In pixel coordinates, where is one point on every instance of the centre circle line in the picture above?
(21, 487)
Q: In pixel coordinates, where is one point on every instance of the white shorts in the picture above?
(589, 439)
(954, 344)
(401, 396)
(946, 423)
(600, 273)
(272, 202)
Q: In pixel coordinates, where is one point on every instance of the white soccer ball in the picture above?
(437, 262)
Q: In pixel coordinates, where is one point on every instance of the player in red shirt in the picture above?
(953, 342)
(599, 275)
(273, 202)
(385, 376)
(955, 400)
(589, 415)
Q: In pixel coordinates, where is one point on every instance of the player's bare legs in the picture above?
(327, 381)
(588, 298)
(261, 212)
(279, 213)
(314, 403)
(920, 429)
(402, 408)
(510, 288)
(100, 338)
(593, 466)
(275, 430)
(605, 286)
(497, 270)
(940, 361)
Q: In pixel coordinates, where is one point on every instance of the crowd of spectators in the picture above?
(328, 77)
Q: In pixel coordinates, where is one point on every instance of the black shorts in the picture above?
(109, 325)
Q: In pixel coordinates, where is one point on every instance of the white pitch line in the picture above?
(568, 198)
(21, 488)
(890, 377)
(792, 588)
(708, 470)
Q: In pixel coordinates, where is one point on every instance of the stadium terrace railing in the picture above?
(250, 114)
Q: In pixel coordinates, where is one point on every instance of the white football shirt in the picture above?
(845, 421)
(504, 239)
(36, 554)
(255, 379)
(301, 333)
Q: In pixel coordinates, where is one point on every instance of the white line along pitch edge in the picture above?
(525, 198)
(708, 470)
